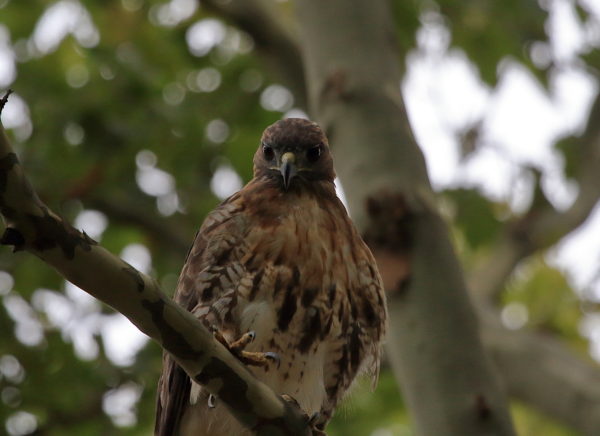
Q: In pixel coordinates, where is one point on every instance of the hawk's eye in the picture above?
(268, 152)
(313, 154)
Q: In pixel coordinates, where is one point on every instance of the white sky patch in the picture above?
(59, 310)
(202, 36)
(16, 116)
(593, 6)
(439, 147)
(154, 181)
(521, 119)
(28, 329)
(145, 159)
(8, 70)
(85, 302)
(15, 113)
(172, 13)
(168, 204)
(573, 93)
(21, 423)
(579, 253)
(61, 19)
(459, 78)
(11, 368)
(276, 98)
(566, 32)
(489, 170)
(122, 340)
(138, 256)
(120, 403)
(225, 182)
(82, 335)
(92, 222)
(84, 324)
(6, 283)
(217, 131)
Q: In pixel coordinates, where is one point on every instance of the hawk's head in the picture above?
(294, 148)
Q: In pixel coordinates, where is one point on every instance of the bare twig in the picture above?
(35, 228)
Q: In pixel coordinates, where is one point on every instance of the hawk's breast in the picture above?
(301, 267)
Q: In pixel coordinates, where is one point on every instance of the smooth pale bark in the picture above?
(434, 347)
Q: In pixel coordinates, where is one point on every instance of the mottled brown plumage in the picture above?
(281, 258)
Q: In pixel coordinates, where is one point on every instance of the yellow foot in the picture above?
(254, 358)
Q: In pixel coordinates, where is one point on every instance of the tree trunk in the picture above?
(353, 81)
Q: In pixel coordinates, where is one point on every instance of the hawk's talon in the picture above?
(242, 342)
(317, 428)
(274, 357)
(211, 401)
(254, 358)
(289, 399)
(219, 336)
(314, 418)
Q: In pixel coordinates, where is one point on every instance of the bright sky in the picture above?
(520, 122)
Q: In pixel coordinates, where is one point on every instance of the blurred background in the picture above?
(134, 118)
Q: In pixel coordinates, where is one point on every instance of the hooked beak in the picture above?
(288, 168)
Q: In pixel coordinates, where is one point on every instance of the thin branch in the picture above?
(543, 226)
(33, 227)
(274, 42)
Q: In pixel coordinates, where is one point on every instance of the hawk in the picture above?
(281, 275)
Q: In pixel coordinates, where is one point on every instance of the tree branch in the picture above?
(541, 371)
(433, 344)
(543, 226)
(273, 41)
(35, 228)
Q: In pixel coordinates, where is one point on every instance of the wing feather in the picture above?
(202, 284)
